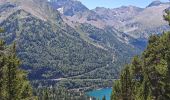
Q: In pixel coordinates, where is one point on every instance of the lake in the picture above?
(100, 93)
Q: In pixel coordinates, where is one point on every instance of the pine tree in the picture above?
(14, 84)
(45, 95)
(126, 85)
(2, 64)
(104, 98)
(1, 30)
(117, 92)
(167, 16)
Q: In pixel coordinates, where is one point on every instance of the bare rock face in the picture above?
(68, 7)
(39, 8)
(147, 22)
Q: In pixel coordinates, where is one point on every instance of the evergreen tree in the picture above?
(117, 92)
(167, 16)
(1, 30)
(45, 94)
(104, 98)
(13, 80)
(2, 65)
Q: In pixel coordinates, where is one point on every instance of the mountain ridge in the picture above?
(127, 19)
(156, 3)
(68, 7)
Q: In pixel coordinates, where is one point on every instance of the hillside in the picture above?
(51, 49)
(82, 46)
(47, 47)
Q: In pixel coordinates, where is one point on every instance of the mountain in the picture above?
(34, 7)
(68, 7)
(147, 22)
(46, 45)
(50, 48)
(64, 39)
(155, 3)
(137, 22)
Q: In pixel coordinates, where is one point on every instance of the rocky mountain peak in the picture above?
(68, 7)
(155, 3)
(38, 8)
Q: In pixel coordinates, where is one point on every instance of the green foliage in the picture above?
(167, 16)
(116, 94)
(1, 30)
(104, 98)
(148, 76)
(13, 81)
(80, 84)
(53, 93)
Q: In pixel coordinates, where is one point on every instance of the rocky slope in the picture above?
(68, 7)
(134, 21)
(147, 22)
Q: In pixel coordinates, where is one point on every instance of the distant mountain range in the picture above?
(134, 21)
(64, 39)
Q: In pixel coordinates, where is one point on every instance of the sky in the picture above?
(91, 4)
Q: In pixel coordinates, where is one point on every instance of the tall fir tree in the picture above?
(13, 80)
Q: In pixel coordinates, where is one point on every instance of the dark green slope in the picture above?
(120, 49)
(109, 39)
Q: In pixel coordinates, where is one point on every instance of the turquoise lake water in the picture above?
(100, 93)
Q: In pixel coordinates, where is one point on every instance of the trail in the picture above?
(62, 79)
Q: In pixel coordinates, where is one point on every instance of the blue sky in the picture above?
(91, 4)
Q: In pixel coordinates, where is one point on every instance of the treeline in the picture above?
(147, 77)
(57, 93)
